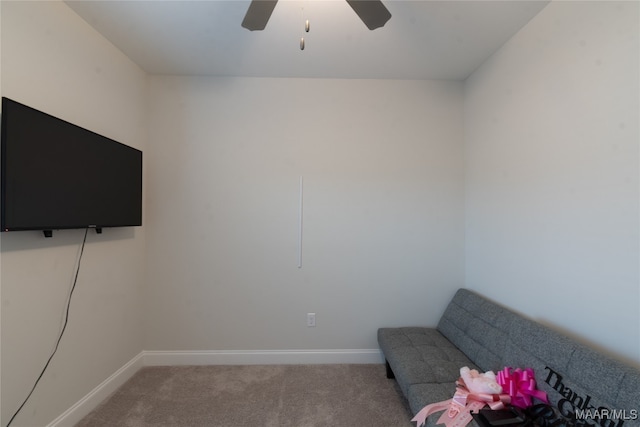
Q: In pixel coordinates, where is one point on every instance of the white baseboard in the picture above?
(262, 357)
(214, 357)
(88, 403)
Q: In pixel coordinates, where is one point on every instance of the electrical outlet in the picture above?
(311, 320)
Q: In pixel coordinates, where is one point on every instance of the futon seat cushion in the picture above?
(430, 392)
(422, 356)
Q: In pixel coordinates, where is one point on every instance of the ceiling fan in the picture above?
(372, 12)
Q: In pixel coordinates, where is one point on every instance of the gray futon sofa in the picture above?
(481, 334)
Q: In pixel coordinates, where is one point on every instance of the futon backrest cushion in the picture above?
(575, 377)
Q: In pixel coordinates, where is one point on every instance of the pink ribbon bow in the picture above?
(463, 396)
(521, 386)
(460, 406)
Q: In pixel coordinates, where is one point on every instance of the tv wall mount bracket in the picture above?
(49, 233)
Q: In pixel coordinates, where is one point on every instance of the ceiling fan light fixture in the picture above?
(371, 12)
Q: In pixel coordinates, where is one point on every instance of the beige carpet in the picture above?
(255, 395)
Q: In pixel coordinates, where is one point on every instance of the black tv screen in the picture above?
(56, 175)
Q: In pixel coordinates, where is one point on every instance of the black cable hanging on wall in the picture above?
(64, 327)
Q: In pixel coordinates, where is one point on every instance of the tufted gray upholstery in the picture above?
(478, 333)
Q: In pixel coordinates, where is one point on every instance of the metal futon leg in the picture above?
(390, 373)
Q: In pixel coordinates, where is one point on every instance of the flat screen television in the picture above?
(56, 175)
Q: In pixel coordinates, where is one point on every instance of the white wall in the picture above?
(52, 60)
(551, 133)
(383, 210)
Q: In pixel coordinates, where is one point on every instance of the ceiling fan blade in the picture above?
(372, 12)
(258, 14)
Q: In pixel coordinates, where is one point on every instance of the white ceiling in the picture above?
(423, 40)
